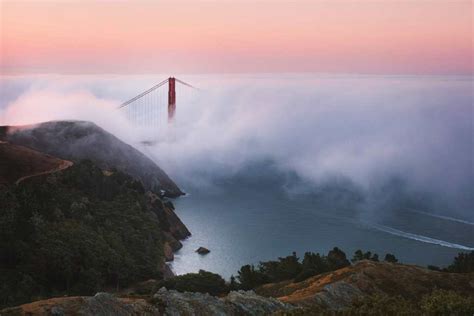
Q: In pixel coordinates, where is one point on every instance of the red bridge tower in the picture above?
(171, 98)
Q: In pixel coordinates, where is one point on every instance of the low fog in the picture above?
(367, 130)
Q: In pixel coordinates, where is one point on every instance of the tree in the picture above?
(249, 278)
(233, 284)
(463, 263)
(358, 255)
(390, 258)
(203, 282)
(337, 259)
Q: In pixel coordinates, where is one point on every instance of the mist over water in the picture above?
(276, 163)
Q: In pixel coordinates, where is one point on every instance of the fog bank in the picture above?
(369, 130)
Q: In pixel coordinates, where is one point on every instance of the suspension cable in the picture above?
(144, 93)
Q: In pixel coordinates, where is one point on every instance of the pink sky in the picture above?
(383, 37)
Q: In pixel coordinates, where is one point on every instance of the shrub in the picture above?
(249, 278)
(337, 259)
(442, 302)
(463, 263)
(202, 282)
(390, 258)
(382, 305)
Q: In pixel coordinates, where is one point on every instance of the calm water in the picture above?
(242, 225)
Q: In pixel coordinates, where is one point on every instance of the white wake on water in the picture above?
(421, 238)
(442, 217)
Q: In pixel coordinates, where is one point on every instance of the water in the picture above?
(245, 224)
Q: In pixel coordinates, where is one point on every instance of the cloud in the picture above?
(368, 129)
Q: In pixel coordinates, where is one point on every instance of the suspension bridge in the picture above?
(156, 107)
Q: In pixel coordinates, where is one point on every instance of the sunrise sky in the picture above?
(381, 37)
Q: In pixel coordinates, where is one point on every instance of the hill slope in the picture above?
(81, 230)
(18, 163)
(337, 289)
(77, 140)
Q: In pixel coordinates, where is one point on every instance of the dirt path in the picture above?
(64, 165)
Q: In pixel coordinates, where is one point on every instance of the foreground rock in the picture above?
(202, 251)
(164, 302)
(77, 140)
(338, 289)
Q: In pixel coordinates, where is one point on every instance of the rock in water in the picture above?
(202, 251)
(78, 140)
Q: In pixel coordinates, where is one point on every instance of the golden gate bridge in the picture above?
(148, 109)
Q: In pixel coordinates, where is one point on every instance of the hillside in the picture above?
(18, 163)
(338, 289)
(403, 285)
(81, 230)
(77, 140)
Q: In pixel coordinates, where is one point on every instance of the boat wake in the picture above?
(420, 238)
(452, 219)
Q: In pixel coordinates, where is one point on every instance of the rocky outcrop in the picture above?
(173, 228)
(235, 303)
(202, 251)
(78, 140)
(164, 302)
(338, 289)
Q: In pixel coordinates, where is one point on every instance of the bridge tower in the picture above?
(171, 98)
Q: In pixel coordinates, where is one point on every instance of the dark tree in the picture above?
(337, 259)
(203, 282)
(249, 278)
(463, 263)
(390, 258)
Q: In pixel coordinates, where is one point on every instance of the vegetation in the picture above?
(439, 302)
(76, 232)
(203, 282)
(463, 263)
(360, 255)
(290, 267)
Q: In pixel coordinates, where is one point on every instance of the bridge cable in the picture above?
(145, 93)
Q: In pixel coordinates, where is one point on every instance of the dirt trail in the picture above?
(64, 165)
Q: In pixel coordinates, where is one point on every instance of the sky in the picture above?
(427, 37)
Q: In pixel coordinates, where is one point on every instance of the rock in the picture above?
(202, 251)
(235, 303)
(167, 272)
(168, 251)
